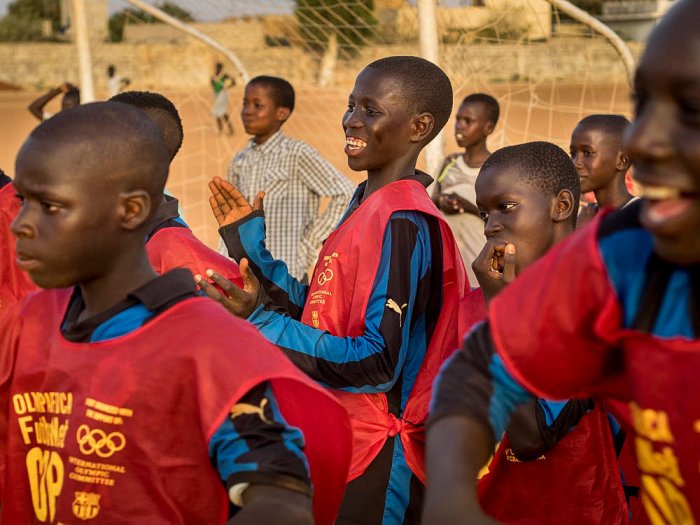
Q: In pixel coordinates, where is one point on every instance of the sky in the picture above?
(207, 10)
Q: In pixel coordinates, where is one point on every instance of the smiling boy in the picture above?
(292, 174)
(123, 392)
(625, 327)
(380, 313)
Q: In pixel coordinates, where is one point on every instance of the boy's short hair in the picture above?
(110, 70)
(112, 134)
(149, 101)
(280, 91)
(613, 125)
(543, 165)
(425, 86)
(491, 104)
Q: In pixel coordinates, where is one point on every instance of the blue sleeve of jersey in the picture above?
(246, 239)
(256, 445)
(507, 395)
(371, 362)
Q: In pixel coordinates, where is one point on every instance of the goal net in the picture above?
(546, 70)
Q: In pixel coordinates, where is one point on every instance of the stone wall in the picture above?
(189, 64)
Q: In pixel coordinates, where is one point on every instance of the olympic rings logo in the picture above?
(97, 441)
(325, 276)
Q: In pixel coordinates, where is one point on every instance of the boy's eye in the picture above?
(484, 215)
(372, 111)
(506, 206)
(351, 107)
(50, 206)
(588, 153)
(690, 110)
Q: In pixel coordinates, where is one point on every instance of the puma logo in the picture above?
(241, 409)
(393, 305)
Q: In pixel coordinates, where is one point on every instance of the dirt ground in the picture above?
(528, 112)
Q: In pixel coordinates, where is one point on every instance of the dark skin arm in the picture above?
(457, 448)
(495, 269)
(452, 204)
(36, 108)
(270, 505)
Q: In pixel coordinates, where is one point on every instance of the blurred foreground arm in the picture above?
(472, 404)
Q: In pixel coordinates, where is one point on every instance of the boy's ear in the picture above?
(283, 114)
(623, 161)
(563, 206)
(489, 127)
(134, 209)
(421, 127)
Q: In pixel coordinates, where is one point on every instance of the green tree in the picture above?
(351, 22)
(23, 20)
(118, 20)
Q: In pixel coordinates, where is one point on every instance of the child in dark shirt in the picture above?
(616, 313)
(122, 390)
(556, 461)
(380, 313)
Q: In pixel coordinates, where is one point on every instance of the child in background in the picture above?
(453, 191)
(71, 98)
(602, 163)
(220, 83)
(292, 174)
(557, 461)
(115, 83)
(169, 241)
(625, 327)
(380, 314)
(125, 394)
(14, 283)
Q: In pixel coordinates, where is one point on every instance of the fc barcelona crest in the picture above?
(86, 505)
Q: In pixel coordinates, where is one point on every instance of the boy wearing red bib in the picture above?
(130, 398)
(380, 313)
(14, 283)
(616, 312)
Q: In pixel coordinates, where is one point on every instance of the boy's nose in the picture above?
(351, 120)
(648, 139)
(492, 227)
(20, 227)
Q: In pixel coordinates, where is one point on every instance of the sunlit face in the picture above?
(515, 212)
(260, 115)
(472, 124)
(664, 140)
(377, 123)
(595, 155)
(66, 226)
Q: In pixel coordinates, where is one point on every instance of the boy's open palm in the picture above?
(241, 302)
(228, 204)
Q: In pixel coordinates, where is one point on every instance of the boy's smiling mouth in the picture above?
(353, 145)
(665, 205)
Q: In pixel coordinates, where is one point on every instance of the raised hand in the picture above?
(495, 267)
(241, 302)
(228, 204)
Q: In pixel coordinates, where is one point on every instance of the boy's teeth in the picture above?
(458, 136)
(355, 143)
(659, 192)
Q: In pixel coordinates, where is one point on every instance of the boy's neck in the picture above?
(614, 195)
(262, 139)
(474, 156)
(377, 179)
(106, 291)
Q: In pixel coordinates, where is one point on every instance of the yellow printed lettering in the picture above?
(19, 405)
(25, 427)
(663, 463)
(45, 472)
(652, 424)
(664, 503)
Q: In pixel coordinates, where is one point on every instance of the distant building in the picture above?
(634, 19)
